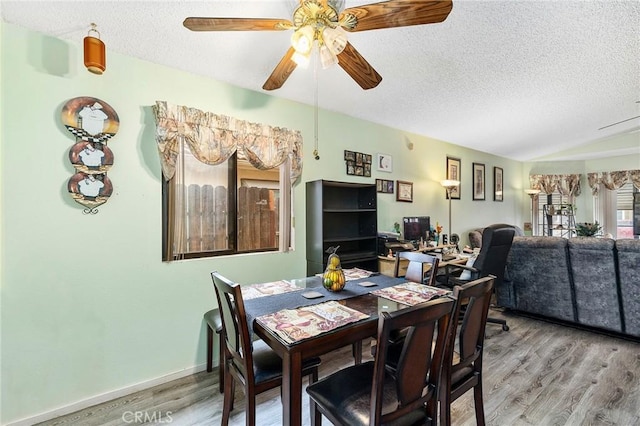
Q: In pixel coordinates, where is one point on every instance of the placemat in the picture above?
(267, 289)
(410, 293)
(352, 274)
(270, 304)
(293, 325)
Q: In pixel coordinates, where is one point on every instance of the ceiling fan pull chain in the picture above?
(315, 113)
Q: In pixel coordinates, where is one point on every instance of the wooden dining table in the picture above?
(292, 354)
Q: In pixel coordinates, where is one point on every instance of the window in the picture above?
(227, 183)
(624, 211)
(543, 199)
(225, 209)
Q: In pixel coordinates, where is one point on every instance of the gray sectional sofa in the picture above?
(593, 282)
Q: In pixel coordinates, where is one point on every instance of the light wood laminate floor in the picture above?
(537, 373)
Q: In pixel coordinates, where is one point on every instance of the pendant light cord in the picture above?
(316, 155)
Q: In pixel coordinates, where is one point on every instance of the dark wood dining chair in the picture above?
(416, 268)
(367, 394)
(422, 268)
(463, 368)
(214, 325)
(253, 364)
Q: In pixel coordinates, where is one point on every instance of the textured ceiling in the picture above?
(519, 79)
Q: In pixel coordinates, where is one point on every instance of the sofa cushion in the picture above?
(538, 270)
(629, 267)
(594, 277)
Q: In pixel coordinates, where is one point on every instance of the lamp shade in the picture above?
(335, 39)
(302, 39)
(449, 183)
(95, 58)
(327, 58)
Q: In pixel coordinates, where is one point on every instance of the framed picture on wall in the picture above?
(385, 163)
(498, 184)
(454, 173)
(478, 181)
(404, 191)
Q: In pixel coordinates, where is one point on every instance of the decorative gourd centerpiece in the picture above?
(333, 277)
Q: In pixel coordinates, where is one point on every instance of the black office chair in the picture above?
(492, 260)
(368, 394)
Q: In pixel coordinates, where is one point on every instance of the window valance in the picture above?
(213, 138)
(567, 185)
(613, 180)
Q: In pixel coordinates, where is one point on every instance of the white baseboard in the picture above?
(108, 396)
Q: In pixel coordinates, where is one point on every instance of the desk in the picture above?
(293, 354)
(387, 265)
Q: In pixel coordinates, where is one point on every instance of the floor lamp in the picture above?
(450, 185)
(533, 193)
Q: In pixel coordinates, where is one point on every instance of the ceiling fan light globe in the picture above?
(327, 57)
(302, 39)
(335, 39)
(302, 60)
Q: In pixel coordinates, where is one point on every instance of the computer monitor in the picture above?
(415, 227)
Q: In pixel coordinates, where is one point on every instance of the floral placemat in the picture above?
(293, 325)
(352, 274)
(267, 289)
(410, 293)
(356, 274)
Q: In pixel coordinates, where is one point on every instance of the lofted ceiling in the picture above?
(521, 79)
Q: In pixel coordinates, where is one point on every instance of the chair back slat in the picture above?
(473, 299)
(234, 322)
(419, 370)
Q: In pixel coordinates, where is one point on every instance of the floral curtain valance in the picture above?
(567, 185)
(613, 180)
(213, 138)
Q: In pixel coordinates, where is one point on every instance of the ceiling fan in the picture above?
(325, 23)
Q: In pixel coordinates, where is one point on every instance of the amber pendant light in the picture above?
(95, 58)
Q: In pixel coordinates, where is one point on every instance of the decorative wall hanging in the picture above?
(478, 181)
(454, 173)
(358, 163)
(95, 58)
(498, 184)
(93, 122)
(405, 191)
(385, 163)
(384, 186)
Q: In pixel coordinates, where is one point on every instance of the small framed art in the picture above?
(478, 181)
(454, 173)
(498, 184)
(385, 163)
(404, 191)
(384, 186)
(358, 163)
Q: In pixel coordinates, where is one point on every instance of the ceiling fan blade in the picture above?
(398, 13)
(358, 68)
(237, 24)
(281, 72)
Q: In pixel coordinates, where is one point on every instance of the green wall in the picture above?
(87, 307)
